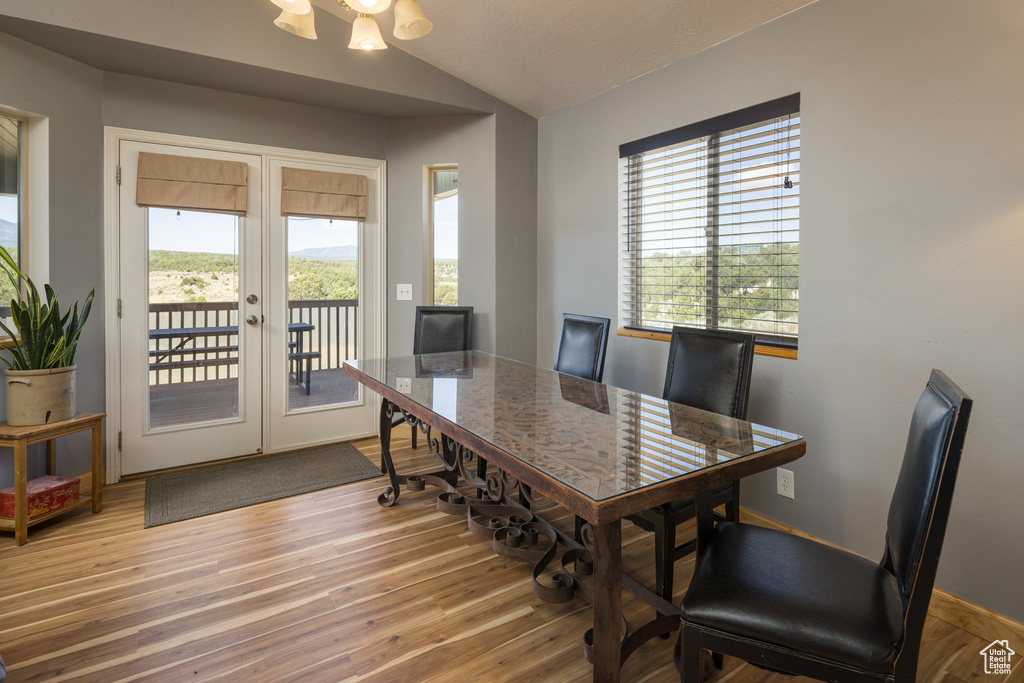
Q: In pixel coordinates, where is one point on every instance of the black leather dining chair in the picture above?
(795, 605)
(443, 328)
(440, 329)
(582, 346)
(709, 370)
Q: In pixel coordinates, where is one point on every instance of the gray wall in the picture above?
(70, 94)
(497, 224)
(912, 252)
(516, 235)
(146, 104)
(412, 144)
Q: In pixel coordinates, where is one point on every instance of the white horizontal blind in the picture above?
(10, 143)
(710, 229)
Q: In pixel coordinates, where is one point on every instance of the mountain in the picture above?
(8, 233)
(346, 252)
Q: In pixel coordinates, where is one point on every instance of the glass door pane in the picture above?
(323, 300)
(194, 345)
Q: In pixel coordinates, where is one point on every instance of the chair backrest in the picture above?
(443, 328)
(710, 370)
(920, 503)
(582, 346)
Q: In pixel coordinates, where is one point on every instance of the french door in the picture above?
(233, 329)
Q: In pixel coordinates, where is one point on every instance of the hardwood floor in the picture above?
(326, 586)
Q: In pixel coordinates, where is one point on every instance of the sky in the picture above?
(446, 228)
(9, 208)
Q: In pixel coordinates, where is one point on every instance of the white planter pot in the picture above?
(36, 397)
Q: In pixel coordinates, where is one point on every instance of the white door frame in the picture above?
(375, 169)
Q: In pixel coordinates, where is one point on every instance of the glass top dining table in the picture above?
(600, 444)
(601, 452)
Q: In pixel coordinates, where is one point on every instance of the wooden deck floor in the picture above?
(217, 399)
(326, 586)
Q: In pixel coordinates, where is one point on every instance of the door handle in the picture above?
(252, 320)
(251, 299)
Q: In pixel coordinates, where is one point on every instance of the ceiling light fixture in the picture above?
(366, 34)
(299, 24)
(410, 22)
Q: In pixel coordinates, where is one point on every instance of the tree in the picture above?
(446, 295)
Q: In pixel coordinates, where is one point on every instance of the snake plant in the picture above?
(42, 338)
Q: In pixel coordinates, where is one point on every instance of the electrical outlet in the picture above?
(784, 483)
(404, 293)
(403, 384)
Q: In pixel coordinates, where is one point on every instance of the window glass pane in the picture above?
(445, 229)
(10, 200)
(323, 296)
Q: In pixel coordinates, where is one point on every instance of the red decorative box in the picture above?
(44, 495)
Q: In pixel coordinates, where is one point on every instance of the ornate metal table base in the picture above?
(516, 532)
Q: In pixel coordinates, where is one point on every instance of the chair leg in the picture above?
(732, 508)
(414, 430)
(578, 533)
(688, 662)
(664, 556)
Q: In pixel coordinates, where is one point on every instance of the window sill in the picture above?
(759, 349)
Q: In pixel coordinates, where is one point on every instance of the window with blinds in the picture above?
(711, 225)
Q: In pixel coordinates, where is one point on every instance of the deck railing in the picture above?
(215, 356)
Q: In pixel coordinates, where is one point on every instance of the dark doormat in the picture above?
(184, 495)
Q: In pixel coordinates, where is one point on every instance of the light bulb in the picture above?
(368, 6)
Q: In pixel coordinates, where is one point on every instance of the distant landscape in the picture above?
(8, 234)
(446, 282)
(197, 276)
(314, 274)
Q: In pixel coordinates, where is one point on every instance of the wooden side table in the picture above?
(19, 439)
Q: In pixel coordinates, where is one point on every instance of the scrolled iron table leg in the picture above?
(389, 496)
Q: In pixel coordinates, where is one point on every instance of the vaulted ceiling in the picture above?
(544, 55)
(539, 56)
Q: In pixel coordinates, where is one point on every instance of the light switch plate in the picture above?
(404, 293)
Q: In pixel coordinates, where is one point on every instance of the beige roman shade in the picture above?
(173, 182)
(320, 194)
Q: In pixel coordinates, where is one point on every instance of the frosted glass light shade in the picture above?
(295, 6)
(410, 22)
(369, 6)
(366, 34)
(299, 24)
